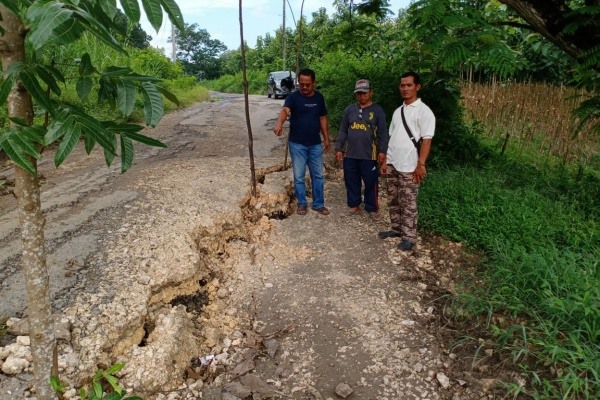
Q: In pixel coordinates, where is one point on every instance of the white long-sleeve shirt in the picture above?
(402, 153)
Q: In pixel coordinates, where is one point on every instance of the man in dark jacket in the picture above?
(362, 144)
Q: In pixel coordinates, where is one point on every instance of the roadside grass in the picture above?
(2, 328)
(146, 62)
(540, 232)
(257, 83)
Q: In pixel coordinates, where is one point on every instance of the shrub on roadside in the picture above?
(542, 267)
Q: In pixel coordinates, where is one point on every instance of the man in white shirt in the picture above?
(408, 149)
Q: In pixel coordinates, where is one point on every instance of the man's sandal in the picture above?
(322, 210)
(301, 210)
(354, 211)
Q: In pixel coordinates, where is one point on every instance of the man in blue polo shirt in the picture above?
(308, 120)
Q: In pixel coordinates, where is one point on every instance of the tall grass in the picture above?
(146, 62)
(538, 225)
(532, 116)
(257, 83)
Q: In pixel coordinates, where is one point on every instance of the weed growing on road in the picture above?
(540, 233)
(2, 327)
(101, 380)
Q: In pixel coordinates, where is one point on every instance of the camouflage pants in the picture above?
(402, 202)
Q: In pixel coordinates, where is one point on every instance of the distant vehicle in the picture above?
(281, 83)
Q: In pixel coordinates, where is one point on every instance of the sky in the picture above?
(221, 18)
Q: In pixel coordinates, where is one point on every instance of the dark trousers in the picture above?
(357, 172)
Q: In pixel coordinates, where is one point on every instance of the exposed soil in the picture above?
(175, 269)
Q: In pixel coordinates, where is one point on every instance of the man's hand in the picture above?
(326, 144)
(420, 173)
(278, 129)
(339, 156)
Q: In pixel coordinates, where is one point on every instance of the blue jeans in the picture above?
(311, 156)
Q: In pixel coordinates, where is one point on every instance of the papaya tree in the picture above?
(31, 89)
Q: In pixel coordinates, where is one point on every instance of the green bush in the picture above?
(542, 264)
(257, 83)
(153, 62)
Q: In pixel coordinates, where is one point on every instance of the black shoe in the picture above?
(388, 234)
(405, 245)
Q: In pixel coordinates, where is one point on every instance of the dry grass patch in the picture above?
(532, 116)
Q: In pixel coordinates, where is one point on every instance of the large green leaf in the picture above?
(153, 13)
(110, 156)
(153, 104)
(56, 72)
(126, 154)
(67, 145)
(144, 139)
(116, 71)
(89, 144)
(66, 33)
(174, 13)
(126, 94)
(20, 148)
(31, 84)
(132, 76)
(90, 126)
(12, 5)
(85, 65)
(170, 96)
(48, 78)
(94, 27)
(39, 8)
(121, 127)
(107, 91)
(49, 18)
(131, 9)
(5, 88)
(60, 126)
(109, 7)
(84, 86)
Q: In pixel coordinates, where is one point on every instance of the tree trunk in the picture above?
(246, 103)
(27, 191)
(550, 17)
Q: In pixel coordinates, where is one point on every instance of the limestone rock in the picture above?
(343, 390)
(4, 352)
(24, 340)
(443, 380)
(14, 365)
(160, 364)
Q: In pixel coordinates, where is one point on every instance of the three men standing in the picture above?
(401, 155)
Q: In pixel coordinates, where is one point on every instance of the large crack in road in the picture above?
(207, 292)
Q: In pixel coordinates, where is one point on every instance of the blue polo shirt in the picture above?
(306, 113)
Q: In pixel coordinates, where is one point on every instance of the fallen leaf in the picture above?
(271, 345)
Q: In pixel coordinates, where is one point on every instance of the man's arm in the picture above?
(283, 114)
(342, 137)
(382, 138)
(421, 171)
(324, 122)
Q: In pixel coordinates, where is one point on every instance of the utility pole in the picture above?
(284, 35)
(173, 43)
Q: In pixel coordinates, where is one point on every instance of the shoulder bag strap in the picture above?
(410, 135)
